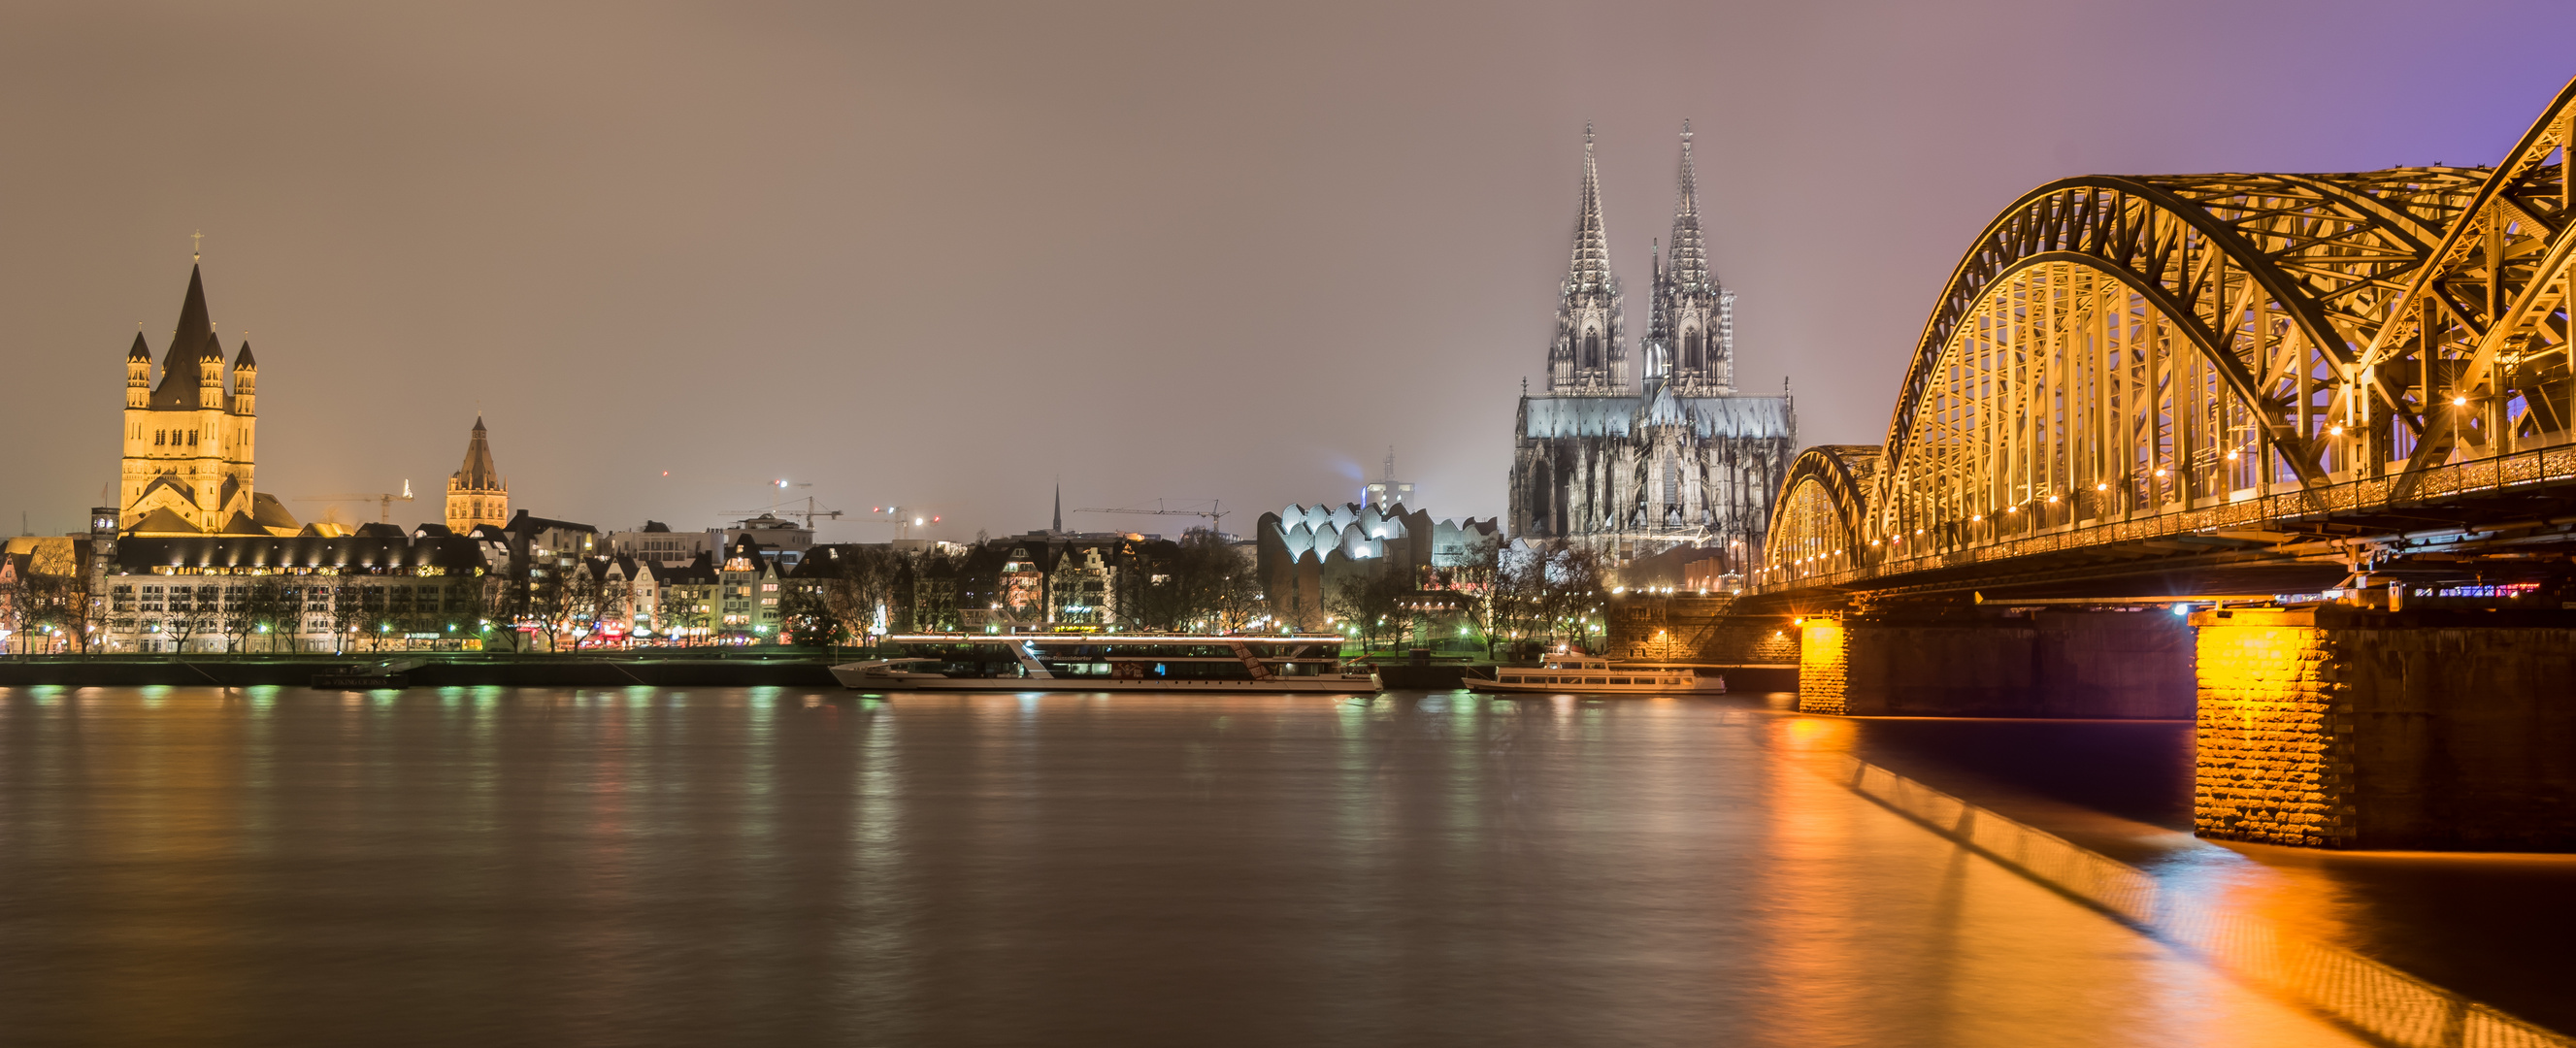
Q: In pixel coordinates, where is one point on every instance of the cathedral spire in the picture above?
(1687, 261)
(1589, 269)
(1588, 355)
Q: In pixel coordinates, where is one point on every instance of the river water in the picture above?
(501, 866)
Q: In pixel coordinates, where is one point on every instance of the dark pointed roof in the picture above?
(161, 521)
(192, 340)
(478, 473)
(141, 350)
(244, 359)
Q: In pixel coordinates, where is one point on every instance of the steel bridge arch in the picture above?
(1823, 506)
(2117, 358)
(2376, 228)
(2274, 282)
(2476, 359)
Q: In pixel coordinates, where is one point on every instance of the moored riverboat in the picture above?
(1109, 662)
(1578, 674)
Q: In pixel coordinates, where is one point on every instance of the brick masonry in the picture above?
(2269, 766)
(1823, 667)
(2338, 727)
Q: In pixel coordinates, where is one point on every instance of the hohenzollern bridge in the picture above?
(2290, 454)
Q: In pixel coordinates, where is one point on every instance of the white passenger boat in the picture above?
(1579, 674)
(1109, 662)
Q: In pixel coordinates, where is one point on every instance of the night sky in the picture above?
(944, 254)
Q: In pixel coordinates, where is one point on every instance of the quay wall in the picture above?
(533, 671)
(1759, 652)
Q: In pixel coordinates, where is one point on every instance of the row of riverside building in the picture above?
(195, 558)
(1651, 458)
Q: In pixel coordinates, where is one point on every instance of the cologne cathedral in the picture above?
(1636, 453)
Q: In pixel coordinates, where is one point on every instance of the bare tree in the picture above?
(194, 610)
(1483, 597)
(1565, 583)
(569, 602)
(1369, 600)
(805, 616)
(256, 607)
(682, 610)
(232, 617)
(289, 620)
(348, 607)
(1214, 588)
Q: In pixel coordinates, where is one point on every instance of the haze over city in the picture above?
(2010, 522)
(947, 255)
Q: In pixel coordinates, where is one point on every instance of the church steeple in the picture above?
(1588, 354)
(190, 342)
(1589, 269)
(476, 494)
(1693, 321)
(190, 440)
(1688, 268)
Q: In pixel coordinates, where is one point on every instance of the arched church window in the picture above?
(1592, 349)
(1690, 349)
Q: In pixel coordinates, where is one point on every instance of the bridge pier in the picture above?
(2348, 728)
(2125, 664)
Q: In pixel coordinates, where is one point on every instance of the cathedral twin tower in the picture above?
(1636, 461)
(1690, 333)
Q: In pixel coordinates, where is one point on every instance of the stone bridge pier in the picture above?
(2350, 728)
(2327, 726)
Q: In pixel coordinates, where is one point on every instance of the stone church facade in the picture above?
(1635, 460)
(191, 442)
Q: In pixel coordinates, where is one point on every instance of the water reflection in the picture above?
(773, 866)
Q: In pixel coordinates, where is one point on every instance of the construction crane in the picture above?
(903, 518)
(384, 501)
(1214, 512)
(809, 513)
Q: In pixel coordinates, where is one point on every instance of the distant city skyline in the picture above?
(942, 257)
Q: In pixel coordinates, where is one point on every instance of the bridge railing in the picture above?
(2364, 495)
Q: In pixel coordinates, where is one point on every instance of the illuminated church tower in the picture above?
(189, 442)
(1690, 336)
(476, 494)
(1588, 356)
(1679, 459)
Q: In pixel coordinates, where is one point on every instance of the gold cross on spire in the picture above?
(197, 250)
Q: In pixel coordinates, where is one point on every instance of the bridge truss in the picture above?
(2123, 359)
